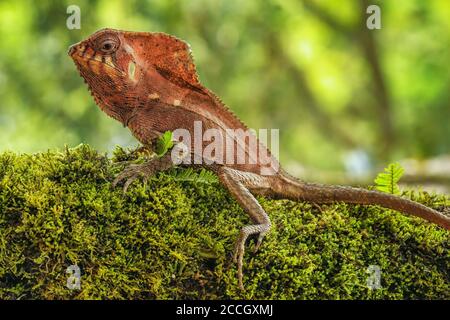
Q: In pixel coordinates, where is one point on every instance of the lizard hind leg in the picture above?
(238, 182)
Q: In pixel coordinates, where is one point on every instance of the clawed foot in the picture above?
(239, 250)
(131, 173)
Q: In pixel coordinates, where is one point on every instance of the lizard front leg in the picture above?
(149, 168)
(238, 182)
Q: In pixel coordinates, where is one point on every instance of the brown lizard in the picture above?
(148, 82)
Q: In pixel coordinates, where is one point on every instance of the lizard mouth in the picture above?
(87, 58)
(72, 49)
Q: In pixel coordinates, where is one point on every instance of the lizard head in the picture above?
(109, 66)
(120, 66)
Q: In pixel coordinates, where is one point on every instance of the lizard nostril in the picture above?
(72, 50)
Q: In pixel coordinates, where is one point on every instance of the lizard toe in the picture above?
(129, 182)
(126, 174)
(259, 241)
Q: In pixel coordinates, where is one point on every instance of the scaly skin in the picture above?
(148, 82)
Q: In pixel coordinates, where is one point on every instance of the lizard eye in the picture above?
(108, 46)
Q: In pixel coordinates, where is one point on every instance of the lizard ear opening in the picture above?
(131, 70)
(166, 53)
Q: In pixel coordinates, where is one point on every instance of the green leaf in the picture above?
(164, 143)
(387, 181)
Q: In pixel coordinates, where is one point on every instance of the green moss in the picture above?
(173, 239)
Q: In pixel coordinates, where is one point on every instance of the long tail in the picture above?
(289, 188)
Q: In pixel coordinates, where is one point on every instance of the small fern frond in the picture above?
(387, 181)
(189, 174)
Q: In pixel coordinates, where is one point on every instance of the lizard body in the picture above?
(148, 82)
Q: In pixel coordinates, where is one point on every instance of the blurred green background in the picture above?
(347, 100)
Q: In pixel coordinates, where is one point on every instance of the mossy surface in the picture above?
(170, 239)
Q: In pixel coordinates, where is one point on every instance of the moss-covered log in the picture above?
(170, 239)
